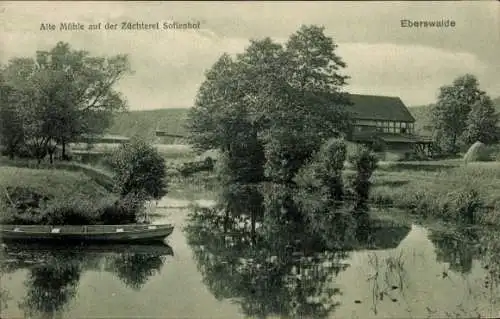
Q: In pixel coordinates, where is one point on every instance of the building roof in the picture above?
(377, 107)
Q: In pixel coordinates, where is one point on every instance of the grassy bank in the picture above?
(96, 174)
(62, 193)
(50, 182)
(442, 190)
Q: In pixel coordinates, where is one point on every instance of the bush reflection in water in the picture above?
(54, 272)
(273, 256)
(263, 251)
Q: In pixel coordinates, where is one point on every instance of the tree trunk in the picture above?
(226, 220)
(253, 227)
(63, 152)
(454, 144)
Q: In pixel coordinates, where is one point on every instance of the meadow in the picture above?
(144, 123)
(444, 190)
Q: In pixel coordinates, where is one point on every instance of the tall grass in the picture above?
(60, 193)
(466, 193)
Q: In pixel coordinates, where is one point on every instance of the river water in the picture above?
(421, 275)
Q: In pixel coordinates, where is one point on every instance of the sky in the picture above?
(382, 57)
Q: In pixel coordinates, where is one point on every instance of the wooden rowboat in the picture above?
(130, 233)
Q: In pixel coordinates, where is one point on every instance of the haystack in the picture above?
(477, 152)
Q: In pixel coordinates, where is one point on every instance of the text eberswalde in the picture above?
(406, 23)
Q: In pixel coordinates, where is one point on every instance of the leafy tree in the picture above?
(227, 114)
(64, 94)
(214, 116)
(312, 107)
(16, 101)
(324, 172)
(140, 170)
(312, 62)
(482, 122)
(283, 101)
(365, 162)
(454, 124)
(11, 125)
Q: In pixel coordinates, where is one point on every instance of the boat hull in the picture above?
(106, 234)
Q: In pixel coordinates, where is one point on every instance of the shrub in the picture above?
(378, 146)
(364, 161)
(139, 169)
(125, 210)
(464, 205)
(77, 210)
(72, 211)
(324, 171)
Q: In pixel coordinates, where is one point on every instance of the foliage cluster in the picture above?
(57, 97)
(463, 115)
(71, 193)
(139, 170)
(27, 206)
(277, 115)
(270, 108)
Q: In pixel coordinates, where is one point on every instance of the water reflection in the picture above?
(51, 286)
(54, 272)
(258, 264)
(134, 270)
(274, 261)
(460, 248)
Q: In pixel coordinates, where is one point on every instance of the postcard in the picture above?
(249, 159)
